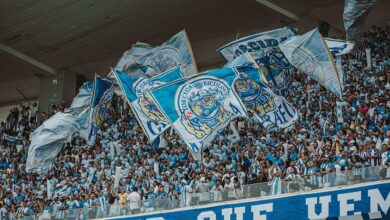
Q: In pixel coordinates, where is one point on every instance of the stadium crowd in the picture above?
(322, 141)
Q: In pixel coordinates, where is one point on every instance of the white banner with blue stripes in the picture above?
(149, 116)
(144, 59)
(263, 47)
(200, 106)
(310, 54)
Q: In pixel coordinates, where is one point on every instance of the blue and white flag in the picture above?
(355, 14)
(149, 116)
(48, 139)
(92, 118)
(199, 107)
(339, 48)
(80, 108)
(82, 100)
(310, 54)
(144, 59)
(270, 109)
(263, 47)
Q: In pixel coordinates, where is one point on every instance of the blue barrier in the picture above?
(368, 201)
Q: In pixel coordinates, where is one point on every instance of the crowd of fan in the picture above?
(320, 142)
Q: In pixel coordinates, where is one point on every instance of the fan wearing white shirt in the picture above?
(134, 200)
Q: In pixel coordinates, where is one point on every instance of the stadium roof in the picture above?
(40, 38)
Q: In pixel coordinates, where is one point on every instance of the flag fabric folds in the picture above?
(310, 54)
(48, 139)
(263, 47)
(149, 116)
(82, 100)
(270, 109)
(80, 107)
(143, 59)
(102, 94)
(355, 14)
(199, 107)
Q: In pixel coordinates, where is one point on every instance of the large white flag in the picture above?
(310, 54)
(143, 59)
(47, 141)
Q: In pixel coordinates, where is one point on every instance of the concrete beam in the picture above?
(278, 9)
(27, 59)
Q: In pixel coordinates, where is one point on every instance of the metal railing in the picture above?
(258, 190)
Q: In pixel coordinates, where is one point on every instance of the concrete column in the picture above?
(56, 90)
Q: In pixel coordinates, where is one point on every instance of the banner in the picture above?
(310, 54)
(148, 115)
(10, 138)
(355, 14)
(263, 47)
(50, 188)
(48, 139)
(359, 201)
(117, 177)
(200, 106)
(269, 108)
(102, 95)
(143, 59)
(339, 111)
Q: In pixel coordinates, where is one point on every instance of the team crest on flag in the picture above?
(200, 106)
(264, 48)
(136, 89)
(145, 101)
(254, 96)
(200, 103)
(91, 118)
(102, 109)
(270, 109)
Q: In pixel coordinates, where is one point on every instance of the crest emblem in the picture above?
(276, 67)
(145, 100)
(199, 102)
(254, 96)
(164, 58)
(104, 106)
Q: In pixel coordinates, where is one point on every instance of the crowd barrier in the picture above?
(260, 191)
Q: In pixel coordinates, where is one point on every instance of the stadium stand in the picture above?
(317, 145)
